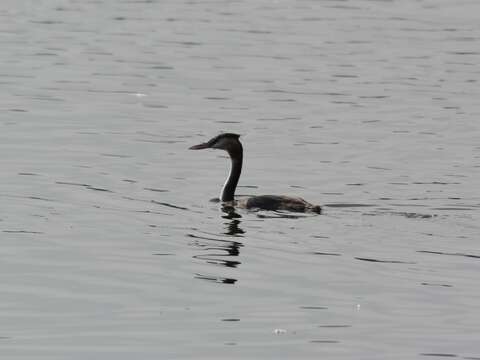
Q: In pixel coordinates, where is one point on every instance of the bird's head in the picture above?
(227, 141)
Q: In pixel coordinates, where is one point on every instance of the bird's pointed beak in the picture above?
(199, 146)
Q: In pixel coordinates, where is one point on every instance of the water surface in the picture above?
(110, 248)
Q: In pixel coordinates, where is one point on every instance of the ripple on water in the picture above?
(325, 253)
(384, 261)
(449, 254)
(168, 205)
(155, 190)
(334, 326)
(216, 279)
(324, 341)
(440, 285)
(408, 215)
(438, 354)
(314, 307)
(22, 232)
(220, 252)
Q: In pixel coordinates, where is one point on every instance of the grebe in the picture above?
(231, 144)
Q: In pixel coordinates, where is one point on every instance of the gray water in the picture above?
(110, 248)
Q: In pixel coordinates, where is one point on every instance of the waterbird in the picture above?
(231, 144)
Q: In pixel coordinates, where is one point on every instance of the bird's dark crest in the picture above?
(221, 136)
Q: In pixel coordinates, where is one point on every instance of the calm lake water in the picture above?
(110, 248)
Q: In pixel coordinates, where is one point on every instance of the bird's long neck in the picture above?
(230, 185)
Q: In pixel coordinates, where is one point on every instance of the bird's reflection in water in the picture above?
(233, 228)
(220, 251)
